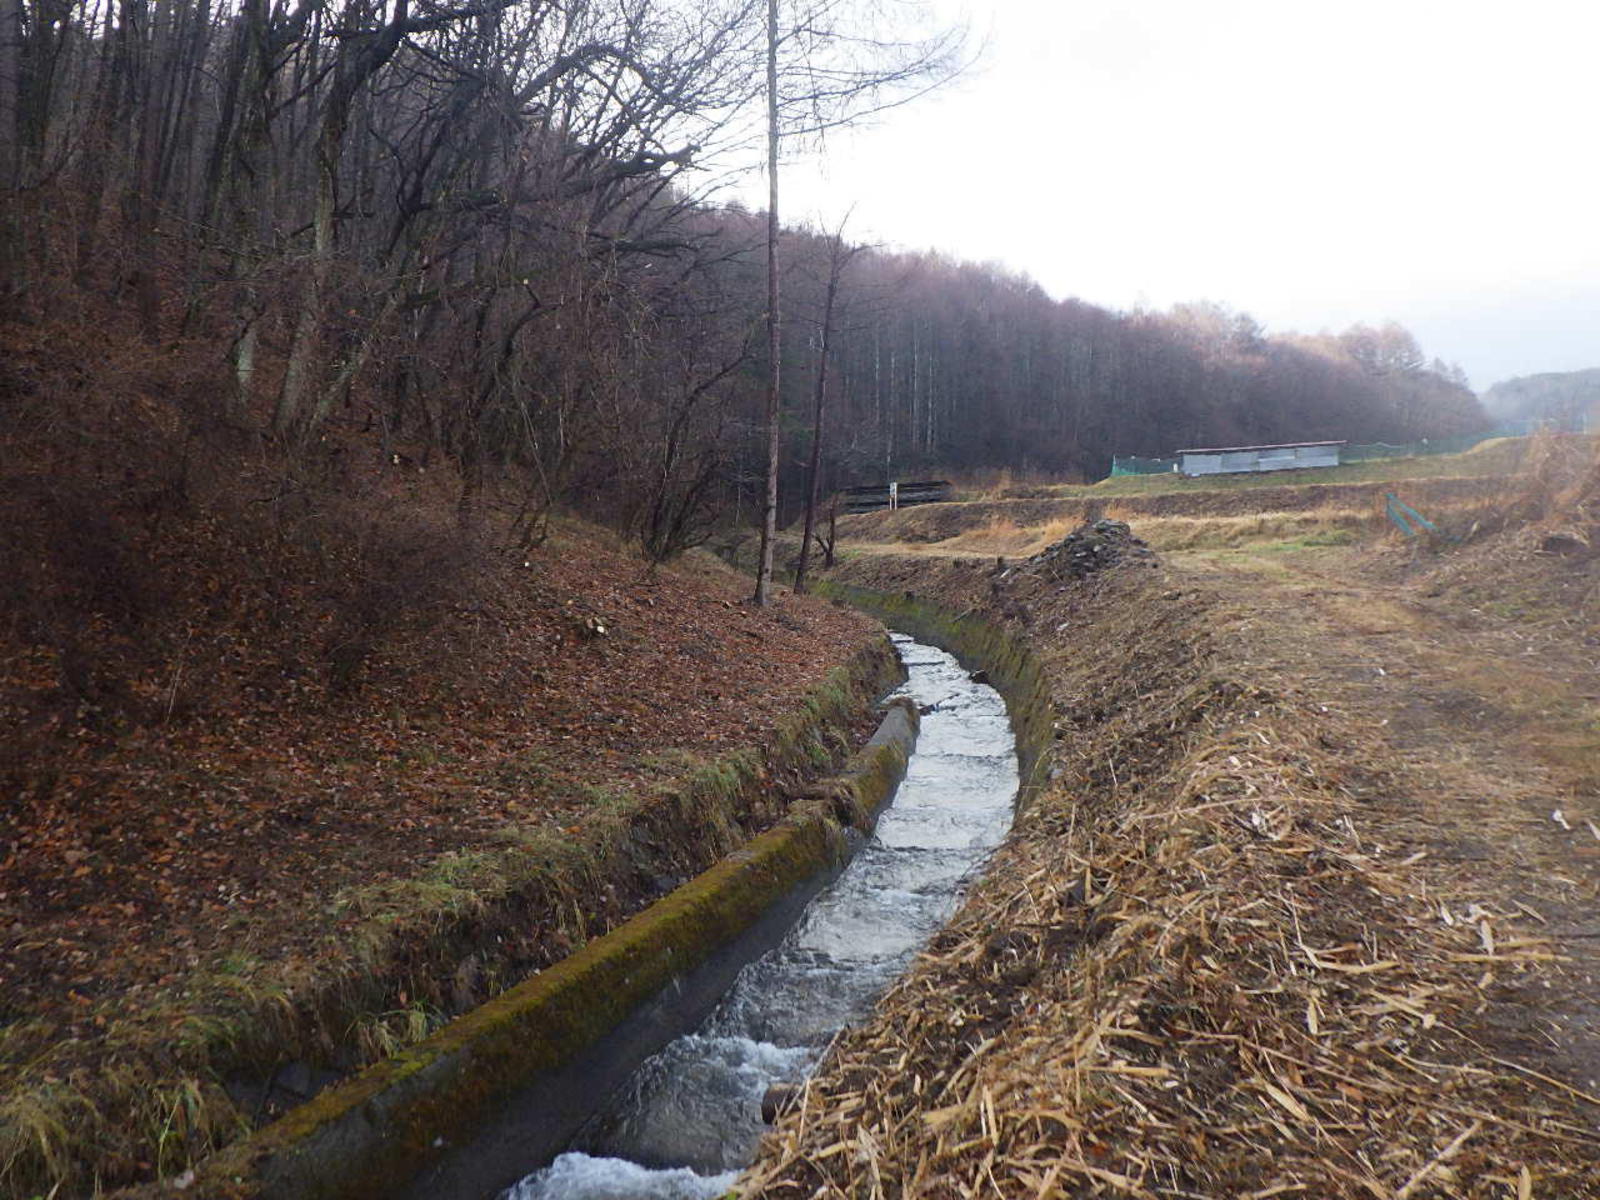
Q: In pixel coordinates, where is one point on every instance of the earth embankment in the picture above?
(933, 523)
(1279, 924)
(1465, 495)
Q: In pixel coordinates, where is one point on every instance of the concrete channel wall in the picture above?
(980, 645)
(465, 1111)
(534, 1059)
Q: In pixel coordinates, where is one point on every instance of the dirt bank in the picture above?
(206, 918)
(467, 1111)
(1276, 928)
(940, 522)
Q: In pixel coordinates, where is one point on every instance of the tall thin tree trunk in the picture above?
(12, 270)
(815, 470)
(888, 439)
(297, 376)
(11, 26)
(769, 516)
(355, 65)
(837, 260)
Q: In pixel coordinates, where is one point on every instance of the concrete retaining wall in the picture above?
(979, 644)
(530, 1062)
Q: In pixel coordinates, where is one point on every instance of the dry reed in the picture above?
(1201, 967)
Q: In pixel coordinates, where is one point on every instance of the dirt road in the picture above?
(1487, 719)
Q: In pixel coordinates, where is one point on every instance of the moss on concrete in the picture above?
(367, 1136)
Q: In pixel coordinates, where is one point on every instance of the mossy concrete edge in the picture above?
(1005, 657)
(369, 1135)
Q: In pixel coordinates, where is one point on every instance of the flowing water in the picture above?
(689, 1119)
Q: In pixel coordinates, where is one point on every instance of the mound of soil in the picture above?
(1087, 549)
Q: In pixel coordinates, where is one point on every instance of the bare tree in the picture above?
(839, 259)
(769, 510)
(368, 40)
(826, 68)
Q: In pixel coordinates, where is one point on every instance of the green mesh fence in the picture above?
(1444, 445)
(1134, 465)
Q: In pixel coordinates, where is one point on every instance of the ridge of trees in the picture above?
(485, 233)
(1568, 399)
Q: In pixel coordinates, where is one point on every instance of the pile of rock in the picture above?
(1567, 545)
(1088, 549)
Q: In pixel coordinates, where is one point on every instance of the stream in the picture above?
(688, 1120)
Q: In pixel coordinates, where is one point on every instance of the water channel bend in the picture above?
(689, 1118)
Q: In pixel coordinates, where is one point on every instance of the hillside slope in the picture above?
(289, 783)
(1571, 398)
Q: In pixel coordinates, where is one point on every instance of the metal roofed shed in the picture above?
(1236, 460)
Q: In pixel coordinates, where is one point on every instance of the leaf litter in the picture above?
(157, 879)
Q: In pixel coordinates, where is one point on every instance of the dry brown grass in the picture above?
(1003, 536)
(1319, 527)
(1563, 473)
(1008, 483)
(1225, 518)
(1208, 963)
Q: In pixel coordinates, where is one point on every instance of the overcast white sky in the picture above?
(1311, 164)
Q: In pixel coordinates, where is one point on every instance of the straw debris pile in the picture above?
(1201, 967)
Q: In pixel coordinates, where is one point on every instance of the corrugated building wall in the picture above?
(1229, 460)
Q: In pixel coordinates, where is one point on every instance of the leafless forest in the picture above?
(489, 235)
(313, 309)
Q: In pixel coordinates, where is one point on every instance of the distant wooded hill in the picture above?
(476, 238)
(1570, 399)
(948, 366)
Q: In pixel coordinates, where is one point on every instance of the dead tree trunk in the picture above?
(769, 515)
